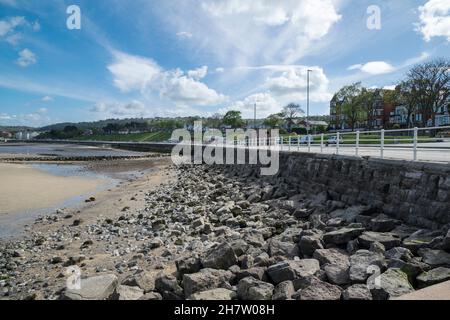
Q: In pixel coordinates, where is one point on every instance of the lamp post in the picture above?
(307, 102)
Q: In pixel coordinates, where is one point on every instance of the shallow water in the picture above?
(61, 150)
(12, 225)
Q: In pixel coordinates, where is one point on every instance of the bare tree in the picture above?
(290, 112)
(431, 83)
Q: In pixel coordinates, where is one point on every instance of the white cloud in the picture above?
(292, 83)
(34, 119)
(137, 73)
(199, 73)
(8, 25)
(241, 32)
(47, 99)
(26, 58)
(184, 35)
(265, 106)
(435, 19)
(42, 110)
(374, 67)
(133, 72)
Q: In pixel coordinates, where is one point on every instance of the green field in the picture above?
(133, 137)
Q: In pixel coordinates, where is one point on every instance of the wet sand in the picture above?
(23, 187)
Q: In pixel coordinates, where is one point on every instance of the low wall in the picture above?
(417, 193)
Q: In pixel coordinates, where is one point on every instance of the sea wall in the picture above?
(415, 192)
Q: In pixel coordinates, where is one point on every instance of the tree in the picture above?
(406, 94)
(233, 118)
(290, 112)
(353, 104)
(274, 120)
(431, 83)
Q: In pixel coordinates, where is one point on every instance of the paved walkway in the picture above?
(437, 292)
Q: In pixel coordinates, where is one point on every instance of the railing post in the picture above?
(289, 143)
(416, 133)
(309, 143)
(357, 143)
(338, 137)
(382, 144)
(321, 142)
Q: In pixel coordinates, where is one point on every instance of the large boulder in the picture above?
(319, 290)
(435, 258)
(141, 279)
(206, 279)
(94, 288)
(332, 256)
(389, 240)
(188, 265)
(383, 223)
(291, 270)
(399, 253)
(283, 291)
(252, 289)
(220, 294)
(283, 249)
(432, 277)
(129, 293)
(342, 236)
(337, 274)
(357, 292)
(393, 283)
(349, 214)
(360, 263)
(220, 257)
(167, 285)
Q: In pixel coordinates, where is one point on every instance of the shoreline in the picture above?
(36, 189)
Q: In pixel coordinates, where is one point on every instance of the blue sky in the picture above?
(199, 57)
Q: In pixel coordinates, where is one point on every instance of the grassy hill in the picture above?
(134, 137)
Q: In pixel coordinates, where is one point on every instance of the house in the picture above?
(6, 134)
(26, 135)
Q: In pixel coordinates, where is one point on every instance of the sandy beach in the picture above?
(23, 188)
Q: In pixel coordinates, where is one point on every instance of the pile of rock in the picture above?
(252, 238)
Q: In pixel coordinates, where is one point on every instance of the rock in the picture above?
(349, 214)
(156, 243)
(284, 249)
(151, 296)
(251, 289)
(291, 270)
(389, 240)
(432, 277)
(412, 268)
(168, 286)
(399, 253)
(337, 274)
(309, 244)
(377, 247)
(206, 279)
(214, 294)
(302, 213)
(419, 239)
(220, 257)
(393, 283)
(255, 272)
(357, 292)
(188, 265)
(332, 256)
(129, 293)
(94, 288)
(319, 290)
(56, 260)
(342, 236)
(435, 258)
(360, 262)
(383, 223)
(283, 291)
(447, 242)
(141, 279)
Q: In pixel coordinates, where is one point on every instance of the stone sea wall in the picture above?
(417, 193)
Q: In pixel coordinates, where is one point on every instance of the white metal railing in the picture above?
(386, 143)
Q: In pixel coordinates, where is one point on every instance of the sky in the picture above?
(201, 57)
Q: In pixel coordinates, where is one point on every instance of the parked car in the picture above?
(306, 139)
(334, 140)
